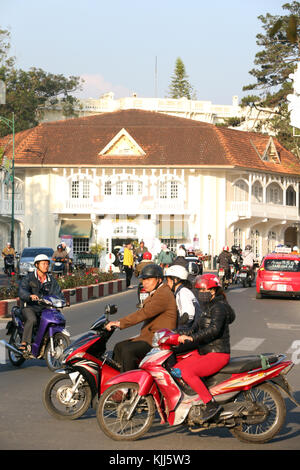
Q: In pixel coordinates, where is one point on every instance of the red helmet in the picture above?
(207, 281)
(226, 248)
(147, 255)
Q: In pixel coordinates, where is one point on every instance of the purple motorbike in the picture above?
(49, 338)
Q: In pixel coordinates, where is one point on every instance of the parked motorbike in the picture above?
(50, 337)
(244, 276)
(86, 369)
(9, 265)
(247, 389)
(58, 266)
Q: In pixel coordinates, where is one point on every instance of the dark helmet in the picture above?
(151, 270)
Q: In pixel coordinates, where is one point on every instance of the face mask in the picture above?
(204, 296)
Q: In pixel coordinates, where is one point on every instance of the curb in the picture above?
(82, 294)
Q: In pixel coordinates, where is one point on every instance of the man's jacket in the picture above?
(31, 285)
(158, 311)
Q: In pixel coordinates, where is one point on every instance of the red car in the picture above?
(279, 274)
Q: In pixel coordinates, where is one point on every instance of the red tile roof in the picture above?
(166, 141)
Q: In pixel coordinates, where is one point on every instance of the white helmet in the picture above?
(39, 258)
(177, 271)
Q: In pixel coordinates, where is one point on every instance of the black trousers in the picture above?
(31, 318)
(129, 353)
(128, 272)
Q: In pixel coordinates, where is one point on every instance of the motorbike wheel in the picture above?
(263, 427)
(60, 342)
(112, 412)
(61, 402)
(15, 339)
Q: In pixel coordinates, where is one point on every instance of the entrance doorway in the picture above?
(290, 237)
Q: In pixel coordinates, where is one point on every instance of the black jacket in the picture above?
(224, 260)
(211, 331)
(31, 285)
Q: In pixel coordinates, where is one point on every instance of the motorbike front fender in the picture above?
(141, 377)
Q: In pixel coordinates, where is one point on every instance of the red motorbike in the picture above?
(86, 369)
(247, 389)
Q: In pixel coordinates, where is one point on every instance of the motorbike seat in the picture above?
(241, 364)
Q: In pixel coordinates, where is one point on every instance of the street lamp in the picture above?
(28, 236)
(11, 124)
(209, 238)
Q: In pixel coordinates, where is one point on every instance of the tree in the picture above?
(274, 63)
(28, 92)
(180, 86)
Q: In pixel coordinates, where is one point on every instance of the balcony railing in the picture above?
(5, 207)
(270, 210)
(124, 205)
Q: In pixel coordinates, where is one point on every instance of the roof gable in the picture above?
(270, 154)
(122, 145)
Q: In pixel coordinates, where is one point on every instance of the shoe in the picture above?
(209, 410)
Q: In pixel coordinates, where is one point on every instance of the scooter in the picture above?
(244, 276)
(223, 278)
(50, 337)
(9, 265)
(58, 266)
(86, 369)
(247, 389)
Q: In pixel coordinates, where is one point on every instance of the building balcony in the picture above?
(243, 209)
(123, 205)
(6, 206)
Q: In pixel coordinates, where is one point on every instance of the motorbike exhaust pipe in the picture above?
(9, 346)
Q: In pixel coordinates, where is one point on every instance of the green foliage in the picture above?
(274, 63)
(180, 86)
(28, 92)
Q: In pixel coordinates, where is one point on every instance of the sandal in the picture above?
(24, 347)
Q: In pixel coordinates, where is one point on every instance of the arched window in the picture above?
(272, 241)
(240, 191)
(274, 194)
(257, 192)
(290, 196)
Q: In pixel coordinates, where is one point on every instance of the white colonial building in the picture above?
(143, 175)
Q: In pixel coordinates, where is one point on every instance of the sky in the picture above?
(114, 45)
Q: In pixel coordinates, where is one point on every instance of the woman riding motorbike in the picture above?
(187, 305)
(210, 335)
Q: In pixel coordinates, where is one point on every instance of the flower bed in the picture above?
(72, 280)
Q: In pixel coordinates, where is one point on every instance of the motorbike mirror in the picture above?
(110, 309)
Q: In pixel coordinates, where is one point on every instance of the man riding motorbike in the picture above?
(225, 260)
(7, 251)
(32, 287)
(158, 311)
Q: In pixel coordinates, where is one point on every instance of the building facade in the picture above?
(102, 179)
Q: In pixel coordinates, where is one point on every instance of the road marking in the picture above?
(248, 344)
(283, 326)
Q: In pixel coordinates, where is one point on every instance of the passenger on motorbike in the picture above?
(225, 260)
(248, 259)
(187, 304)
(158, 311)
(32, 287)
(209, 339)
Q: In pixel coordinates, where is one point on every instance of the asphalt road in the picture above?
(268, 325)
